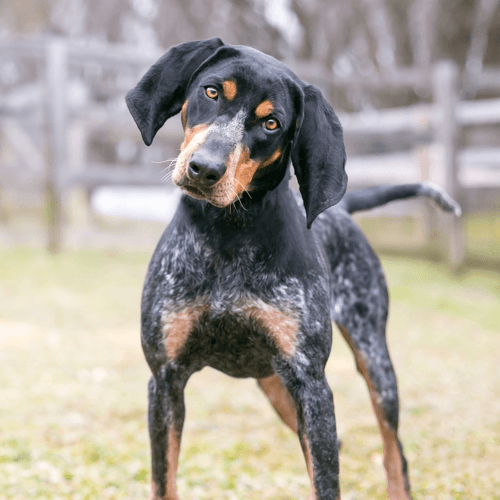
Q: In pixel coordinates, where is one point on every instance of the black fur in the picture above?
(318, 156)
(162, 90)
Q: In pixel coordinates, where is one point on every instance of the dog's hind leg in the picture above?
(376, 368)
(362, 323)
(165, 420)
(359, 307)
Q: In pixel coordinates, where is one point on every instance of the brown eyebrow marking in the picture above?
(229, 89)
(264, 108)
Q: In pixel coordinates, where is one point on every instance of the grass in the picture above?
(73, 391)
(481, 234)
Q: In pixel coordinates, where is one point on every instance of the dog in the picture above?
(241, 279)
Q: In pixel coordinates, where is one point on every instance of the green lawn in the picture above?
(73, 391)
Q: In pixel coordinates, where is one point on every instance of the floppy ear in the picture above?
(318, 155)
(162, 90)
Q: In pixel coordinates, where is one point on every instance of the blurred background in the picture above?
(416, 85)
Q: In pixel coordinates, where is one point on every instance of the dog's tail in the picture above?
(364, 199)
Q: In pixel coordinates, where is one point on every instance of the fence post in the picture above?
(56, 122)
(445, 90)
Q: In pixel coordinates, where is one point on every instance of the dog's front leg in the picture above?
(316, 426)
(165, 420)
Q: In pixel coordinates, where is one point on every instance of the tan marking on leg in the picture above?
(229, 89)
(263, 109)
(178, 328)
(281, 327)
(155, 493)
(281, 400)
(172, 464)
(183, 113)
(396, 487)
(309, 464)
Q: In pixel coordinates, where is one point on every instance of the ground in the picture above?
(73, 391)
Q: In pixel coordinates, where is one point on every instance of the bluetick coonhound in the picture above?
(239, 281)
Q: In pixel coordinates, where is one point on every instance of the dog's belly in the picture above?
(240, 343)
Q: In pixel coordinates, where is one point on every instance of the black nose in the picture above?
(207, 170)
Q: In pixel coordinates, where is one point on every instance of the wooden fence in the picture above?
(458, 170)
(64, 163)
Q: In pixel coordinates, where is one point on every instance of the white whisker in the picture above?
(244, 189)
(164, 161)
(167, 177)
(169, 168)
(239, 199)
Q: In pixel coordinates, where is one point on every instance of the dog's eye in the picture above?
(271, 124)
(211, 92)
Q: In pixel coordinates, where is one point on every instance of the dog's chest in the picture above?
(225, 311)
(240, 341)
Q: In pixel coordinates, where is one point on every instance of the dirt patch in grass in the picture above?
(73, 392)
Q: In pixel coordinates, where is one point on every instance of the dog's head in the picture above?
(244, 114)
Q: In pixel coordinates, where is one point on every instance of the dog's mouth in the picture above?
(194, 191)
(207, 195)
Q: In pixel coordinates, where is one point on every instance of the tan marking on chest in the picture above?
(177, 328)
(280, 326)
(229, 89)
(263, 109)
